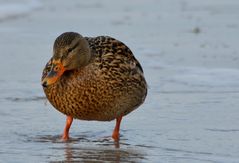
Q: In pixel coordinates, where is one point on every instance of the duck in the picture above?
(93, 79)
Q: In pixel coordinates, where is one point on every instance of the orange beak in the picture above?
(57, 70)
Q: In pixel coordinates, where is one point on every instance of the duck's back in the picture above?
(111, 85)
(102, 45)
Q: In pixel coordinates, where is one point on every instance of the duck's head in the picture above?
(70, 51)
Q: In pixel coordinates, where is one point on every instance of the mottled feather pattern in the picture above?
(111, 85)
(102, 45)
(47, 69)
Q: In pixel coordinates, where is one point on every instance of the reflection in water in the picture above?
(100, 153)
(84, 149)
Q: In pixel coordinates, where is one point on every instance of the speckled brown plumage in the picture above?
(112, 84)
(108, 84)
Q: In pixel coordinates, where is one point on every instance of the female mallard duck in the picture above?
(93, 78)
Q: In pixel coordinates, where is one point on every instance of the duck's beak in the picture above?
(55, 73)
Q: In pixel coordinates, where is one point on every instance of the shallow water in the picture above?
(190, 114)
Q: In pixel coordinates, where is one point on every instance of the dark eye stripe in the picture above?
(71, 49)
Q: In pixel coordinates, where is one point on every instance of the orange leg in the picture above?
(116, 134)
(69, 120)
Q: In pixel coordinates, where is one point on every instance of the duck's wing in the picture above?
(110, 51)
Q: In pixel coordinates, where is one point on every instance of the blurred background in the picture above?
(189, 52)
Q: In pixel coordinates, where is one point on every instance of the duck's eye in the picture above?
(56, 68)
(70, 50)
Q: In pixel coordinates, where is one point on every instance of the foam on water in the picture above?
(13, 9)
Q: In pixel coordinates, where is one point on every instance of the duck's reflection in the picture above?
(102, 153)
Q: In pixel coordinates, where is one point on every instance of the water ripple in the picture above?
(222, 130)
(25, 99)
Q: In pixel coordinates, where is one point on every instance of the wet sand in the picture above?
(189, 53)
